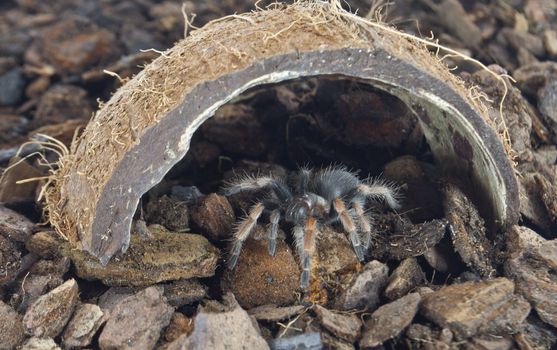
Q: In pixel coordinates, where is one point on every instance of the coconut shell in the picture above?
(146, 127)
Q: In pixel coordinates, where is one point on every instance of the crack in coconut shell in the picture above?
(146, 127)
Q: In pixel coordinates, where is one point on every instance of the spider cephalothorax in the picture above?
(307, 199)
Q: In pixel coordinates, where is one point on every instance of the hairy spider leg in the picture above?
(380, 190)
(363, 220)
(242, 232)
(305, 237)
(248, 183)
(272, 231)
(349, 226)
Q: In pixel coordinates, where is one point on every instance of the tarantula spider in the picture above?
(307, 199)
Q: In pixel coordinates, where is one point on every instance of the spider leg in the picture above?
(349, 226)
(305, 242)
(242, 232)
(272, 231)
(380, 190)
(248, 183)
(364, 222)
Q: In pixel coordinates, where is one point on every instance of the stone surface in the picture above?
(168, 212)
(48, 315)
(260, 279)
(468, 231)
(46, 244)
(389, 320)
(137, 321)
(14, 226)
(365, 289)
(11, 260)
(273, 313)
(346, 326)
(474, 307)
(214, 216)
(404, 278)
(184, 292)
(532, 262)
(11, 328)
(32, 287)
(12, 84)
(83, 325)
(62, 102)
(224, 328)
(306, 341)
(165, 256)
(113, 296)
(36, 343)
(179, 324)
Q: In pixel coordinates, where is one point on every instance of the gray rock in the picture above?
(274, 313)
(218, 330)
(85, 322)
(36, 343)
(113, 296)
(365, 289)
(32, 287)
(346, 327)
(531, 262)
(137, 321)
(11, 328)
(48, 316)
(404, 278)
(390, 320)
(12, 84)
(547, 101)
(184, 292)
(306, 341)
(14, 226)
(475, 307)
(11, 260)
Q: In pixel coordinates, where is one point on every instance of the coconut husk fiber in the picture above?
(146, 127)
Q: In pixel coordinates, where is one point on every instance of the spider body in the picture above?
(307, 199)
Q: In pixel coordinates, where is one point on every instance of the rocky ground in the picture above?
(435, 276)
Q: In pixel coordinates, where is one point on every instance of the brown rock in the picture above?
(260, 279)
(473, 307)
(389, 320)
(60, 103)
(125, 330)
(11, 328)
(168, 212)
(179, 324)
(11, 260)
(224, 328)
(46, 244)
(404, 278)
(272, 313)
(550, 42)
(364, 290)
(346, 327)
(166, 256)
(184, 292)
(419, 335)
(214, 216)
(468, 232)
(114, 295)
(48, 316)
(36, 343)
(14, 226)
(531, 263)
(32, 287)
(10, 191)
(85, 322)
(335, 254)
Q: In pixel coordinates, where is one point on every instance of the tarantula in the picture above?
(306, 199)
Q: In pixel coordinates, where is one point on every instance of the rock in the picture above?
(346, 327)
(214, 216)
(547, 102)
(525, 40)
(12, 84)
(272, 313)
(13, 193)
(62, 102)
(536, 334)
(260, 279)
(389, 320)
(46, 244)
(14, 226)
(422, 336)
(113, 296)
(488, 342)
(11, 328)
(364, 290)
(468, 231)
(85, 322)
(226, 327)
(419, 188)
(335, 255)
(550, 42)
(204, 153)
(184, 292)
(36, 343)
(531, 262)
(236, 129)
(54, 268)
(437, 258)
(306, 341)
(179, 324)
(32, 287)
(404, 278)
(476, 307)
(125, 330)
(166, 256)
(48, 315)
(168, 212)
(11, 260)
